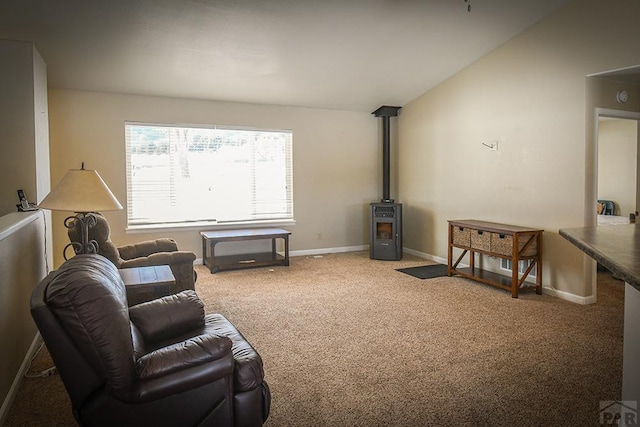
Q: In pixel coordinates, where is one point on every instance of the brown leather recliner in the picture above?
(160, 363)
(147, 253)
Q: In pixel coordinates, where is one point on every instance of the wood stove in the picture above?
(386, 231)
(386, 217)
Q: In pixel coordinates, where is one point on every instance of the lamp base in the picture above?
(81, 221)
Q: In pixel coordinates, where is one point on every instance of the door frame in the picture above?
(614, 114)
(592, 189)
(591, 194)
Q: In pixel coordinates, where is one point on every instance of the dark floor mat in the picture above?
(426, 271)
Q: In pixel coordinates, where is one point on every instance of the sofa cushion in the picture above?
(170, 316)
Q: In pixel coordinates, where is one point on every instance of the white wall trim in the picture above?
(424, 255)
(318, 251)
(14, 221)
(545, 289)
(321, 251)
(568, 296)
(13, 391)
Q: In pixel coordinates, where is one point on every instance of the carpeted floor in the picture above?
(349, 341)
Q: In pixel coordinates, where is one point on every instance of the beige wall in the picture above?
(618, 163)
(530, 96)
(24, 124)
(25, 164)
(22, 266)
(336, 163)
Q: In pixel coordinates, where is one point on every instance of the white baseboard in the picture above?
(322, 251)
(424, 255)
(568, 296)
(8, 401)
(545, 289)
(318, 251)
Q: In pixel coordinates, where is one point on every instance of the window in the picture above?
(186, 174)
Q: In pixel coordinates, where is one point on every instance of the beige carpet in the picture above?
(349, 341)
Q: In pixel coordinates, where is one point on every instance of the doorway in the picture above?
(617, 147)
(615, 130)
(603, 101)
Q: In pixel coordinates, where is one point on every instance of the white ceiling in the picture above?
(337, 54)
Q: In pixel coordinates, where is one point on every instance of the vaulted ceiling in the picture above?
(337, 54)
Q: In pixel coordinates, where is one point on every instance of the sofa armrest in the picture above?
(248, 370)
(170, 316)
(182, 355)
(183, 379)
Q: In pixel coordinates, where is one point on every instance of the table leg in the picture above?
(204, 251)
(514, 267)
(539, 265)
(212, 257)
(273, 248)
(449, 252)
(286, 251)
(472, 261)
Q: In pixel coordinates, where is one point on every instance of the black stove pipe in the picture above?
(386, 159)
(386, 113)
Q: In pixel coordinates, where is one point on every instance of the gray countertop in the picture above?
(616, 247)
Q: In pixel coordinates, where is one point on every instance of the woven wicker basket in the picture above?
(461, 236)
(480, 240)
(502, 244)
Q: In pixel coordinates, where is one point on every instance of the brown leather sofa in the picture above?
(143, 254)
(162, 363)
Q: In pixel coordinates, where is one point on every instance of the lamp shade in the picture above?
(81, 190)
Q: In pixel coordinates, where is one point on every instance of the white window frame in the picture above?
(249, 204)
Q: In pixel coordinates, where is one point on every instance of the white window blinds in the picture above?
(181, 174)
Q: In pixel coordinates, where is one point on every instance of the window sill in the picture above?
(207, 225)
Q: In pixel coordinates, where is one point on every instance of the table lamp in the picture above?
(84, 192)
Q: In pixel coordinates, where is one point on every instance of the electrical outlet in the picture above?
(48, 372)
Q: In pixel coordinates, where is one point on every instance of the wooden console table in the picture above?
(230, 262)
(497, 240)
(147, 283)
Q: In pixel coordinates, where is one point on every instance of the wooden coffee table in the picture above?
(229, 262)
(146, 283)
